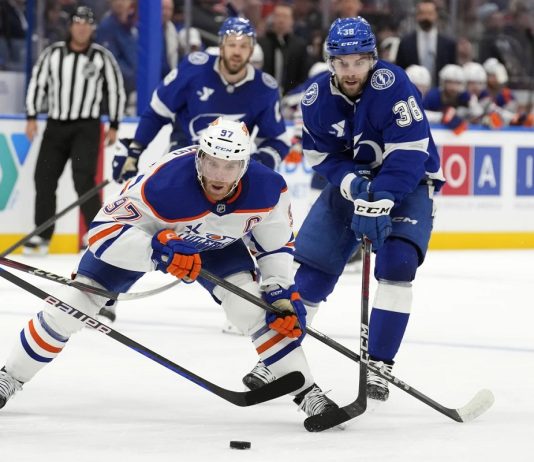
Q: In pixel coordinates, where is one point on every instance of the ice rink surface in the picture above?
(472, 327)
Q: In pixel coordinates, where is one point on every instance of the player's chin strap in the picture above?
(282, 386)
(81, 286)
(479, 404)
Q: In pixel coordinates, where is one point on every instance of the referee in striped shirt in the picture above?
(74, 76)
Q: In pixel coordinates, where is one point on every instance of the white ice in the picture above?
(471, 328)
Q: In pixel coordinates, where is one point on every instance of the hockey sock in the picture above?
(389, 317)
(38, 345)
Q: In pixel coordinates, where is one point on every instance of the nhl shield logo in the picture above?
(221, 208)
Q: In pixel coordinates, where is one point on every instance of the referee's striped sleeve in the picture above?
(115, 88)
(37, 86)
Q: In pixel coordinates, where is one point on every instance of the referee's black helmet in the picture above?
(83, 13)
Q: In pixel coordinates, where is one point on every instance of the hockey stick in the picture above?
(56, 217)
(282, 386)
(80, 285)
(320, 422)
(479, 404)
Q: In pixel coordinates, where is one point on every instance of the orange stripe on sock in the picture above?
(40, 341)
(269, 343)
(104, 233)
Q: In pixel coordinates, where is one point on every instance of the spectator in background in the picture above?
(426, 46)
(56, 22)
(13, 28)
(169, 57)
(448, 103)
(118, 34)
(420, 77)
(194, 41)
(307, 19)
(284, 52)
(464, 51)
(347, 8)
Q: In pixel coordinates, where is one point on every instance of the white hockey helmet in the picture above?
(419, 75)
(474, 72)
(452, 73)
(227, 141)
(494, 67)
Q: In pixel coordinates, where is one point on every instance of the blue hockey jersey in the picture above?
(195, 94)
(385, 129)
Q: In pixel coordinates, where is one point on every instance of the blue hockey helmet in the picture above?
(351, 36)
(237, 26)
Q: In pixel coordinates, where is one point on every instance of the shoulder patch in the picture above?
(311, 94)
(269, 80)
(382, 79)
(198, 57)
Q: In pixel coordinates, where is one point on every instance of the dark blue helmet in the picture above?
(351, 36)
(237, 26)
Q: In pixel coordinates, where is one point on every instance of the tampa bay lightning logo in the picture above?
(311, 94)
(382, 79)
(198, 57)
(269, 80)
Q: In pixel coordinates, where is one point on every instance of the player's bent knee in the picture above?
(242, 314)
(314, 285)
(397, 260)
(64, 324)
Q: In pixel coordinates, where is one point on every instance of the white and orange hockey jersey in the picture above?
(169, 196)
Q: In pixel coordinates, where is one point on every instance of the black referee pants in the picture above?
(75, 140)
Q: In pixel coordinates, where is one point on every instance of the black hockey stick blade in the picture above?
(280, 387)
(335, 417)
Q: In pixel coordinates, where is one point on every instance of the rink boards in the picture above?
(488, 201)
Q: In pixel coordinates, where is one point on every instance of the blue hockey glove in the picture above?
(125, 160)
(293, 324)
(266, 158)
(171, 254)
(371, 217)
(355, 182)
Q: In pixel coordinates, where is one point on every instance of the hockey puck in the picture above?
(240, 444)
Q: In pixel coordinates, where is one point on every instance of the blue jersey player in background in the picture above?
(205, 87)
(365, 131)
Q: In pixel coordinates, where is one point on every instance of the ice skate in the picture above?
(258, 377)
(36, 246)
(8, 387)
(377, 387)
(313, 401)
(109, 311)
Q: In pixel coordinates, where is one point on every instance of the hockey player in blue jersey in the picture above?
(365, 131)
(205, 87)
(149, 226)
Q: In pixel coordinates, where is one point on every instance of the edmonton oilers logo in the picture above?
(382, 79)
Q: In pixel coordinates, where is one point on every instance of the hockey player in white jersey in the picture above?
(365, 131)
(205, 87)
(149, 226)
